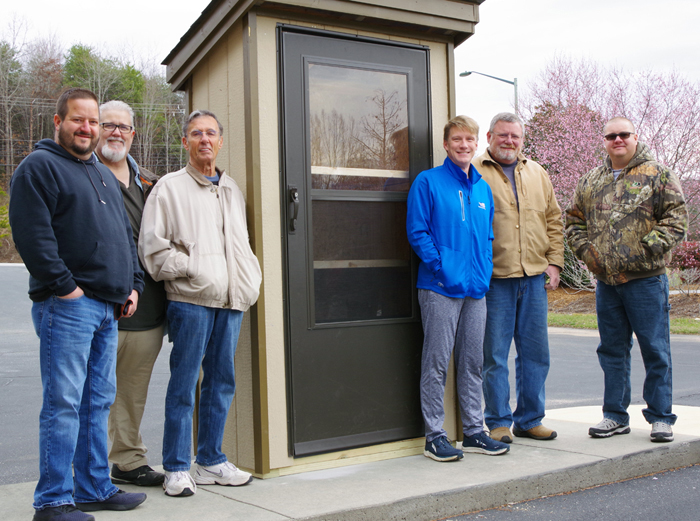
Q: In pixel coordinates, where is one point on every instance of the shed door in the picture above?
(356, 131)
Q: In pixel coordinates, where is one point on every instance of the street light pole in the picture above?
(514, 83)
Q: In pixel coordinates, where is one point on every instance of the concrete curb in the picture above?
(482, 497)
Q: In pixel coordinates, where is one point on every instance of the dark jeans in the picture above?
(640, 306)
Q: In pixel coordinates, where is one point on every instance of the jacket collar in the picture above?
(457, 172)
(199, 177)
(52, 146)
(641, 155)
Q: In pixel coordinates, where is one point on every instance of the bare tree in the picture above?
(43, 72)
(11, 84)
(334, 140)
(378, 127)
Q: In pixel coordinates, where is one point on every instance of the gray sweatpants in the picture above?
(451, 324)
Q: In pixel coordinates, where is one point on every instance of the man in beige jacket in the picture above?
(194, 237)
(528, 254)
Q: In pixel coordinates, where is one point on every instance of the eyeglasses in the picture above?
(124, 129)
(198, 134)
(623, 136)
(514, 137)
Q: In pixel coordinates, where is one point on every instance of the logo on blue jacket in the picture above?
(482, 206)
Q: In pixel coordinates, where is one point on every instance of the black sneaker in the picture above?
(440, 449)
(119, 501)
(481, 443)
(661, 432)
(608, 427)
(61, 513)
(143, 476)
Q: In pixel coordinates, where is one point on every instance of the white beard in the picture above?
(111, 155)
(506, 155)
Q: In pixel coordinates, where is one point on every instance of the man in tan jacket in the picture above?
(528, 254)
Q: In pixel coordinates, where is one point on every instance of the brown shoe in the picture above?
(501, 434)
(536, 433)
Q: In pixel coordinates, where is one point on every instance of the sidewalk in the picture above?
(417, 488)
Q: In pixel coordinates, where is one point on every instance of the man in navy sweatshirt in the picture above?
(69, 225)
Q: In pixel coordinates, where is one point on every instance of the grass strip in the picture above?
(679, 326)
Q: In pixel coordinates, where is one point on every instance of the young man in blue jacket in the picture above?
(449, 226)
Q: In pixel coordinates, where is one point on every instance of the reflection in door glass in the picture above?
(359, 129)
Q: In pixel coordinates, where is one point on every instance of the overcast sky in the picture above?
(514, 39)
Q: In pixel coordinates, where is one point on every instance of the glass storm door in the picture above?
(355, 132)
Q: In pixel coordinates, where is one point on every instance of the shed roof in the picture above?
(451, 20)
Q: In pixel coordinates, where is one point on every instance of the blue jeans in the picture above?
(516, 310)
(78, 346)
(640, 305)
(205, 337)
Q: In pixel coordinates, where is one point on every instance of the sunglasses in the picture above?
(623, 136)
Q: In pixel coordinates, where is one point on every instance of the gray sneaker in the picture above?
(661, 432)
(607, 428)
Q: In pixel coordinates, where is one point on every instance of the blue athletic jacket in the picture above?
(449, 226)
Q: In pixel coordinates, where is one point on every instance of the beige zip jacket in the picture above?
(194, 237)
(528, 239)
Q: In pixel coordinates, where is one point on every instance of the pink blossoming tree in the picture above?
(570, 101)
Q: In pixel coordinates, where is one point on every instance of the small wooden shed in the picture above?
(330, 109)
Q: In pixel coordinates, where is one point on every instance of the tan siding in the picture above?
(268, 132)
(200, 85)
(440, 100)
(237, 146)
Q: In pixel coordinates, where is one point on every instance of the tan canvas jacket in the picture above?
(528, 239)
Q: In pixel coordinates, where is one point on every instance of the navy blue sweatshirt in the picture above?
(70, 227)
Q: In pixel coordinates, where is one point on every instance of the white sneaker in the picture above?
(179, 483)
(224, 473)
(661, 431)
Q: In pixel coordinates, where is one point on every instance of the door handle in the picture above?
(294, 209)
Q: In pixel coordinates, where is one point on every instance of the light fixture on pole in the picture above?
(514, 83)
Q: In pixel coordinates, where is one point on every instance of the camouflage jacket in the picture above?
(623, 228)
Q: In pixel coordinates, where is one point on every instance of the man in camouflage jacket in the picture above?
(624, 217)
